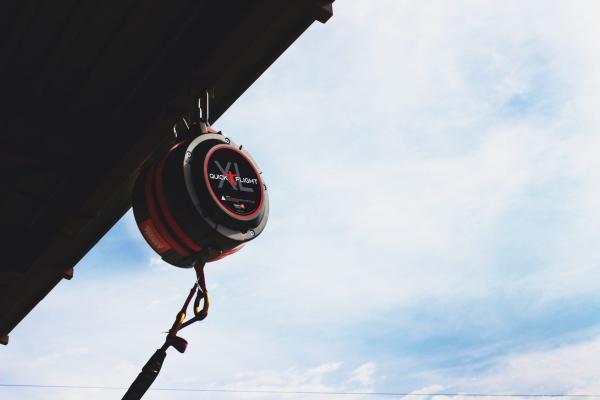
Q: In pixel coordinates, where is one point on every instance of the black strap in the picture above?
(150, 371)
(145, 379)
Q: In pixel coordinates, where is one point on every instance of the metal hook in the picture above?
(177, 125)
(204, 109)
(198, 120)
(203, 113)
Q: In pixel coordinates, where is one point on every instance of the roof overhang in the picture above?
(94, 91)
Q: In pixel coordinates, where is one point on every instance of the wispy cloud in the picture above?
(364, 374)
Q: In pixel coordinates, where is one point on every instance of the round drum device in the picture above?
(201, 201)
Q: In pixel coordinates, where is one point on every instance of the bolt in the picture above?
(68, 274)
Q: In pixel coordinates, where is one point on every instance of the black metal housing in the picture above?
(176, 212)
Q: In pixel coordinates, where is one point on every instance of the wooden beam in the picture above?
(320, 10)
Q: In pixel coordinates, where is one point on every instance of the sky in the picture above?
(433, 178)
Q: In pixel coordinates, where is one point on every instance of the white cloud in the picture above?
(363, 374)
(323, 378)
(431, 389)
(436, 126)
(566, 369)
(292, 379)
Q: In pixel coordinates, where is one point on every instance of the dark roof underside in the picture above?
(90, 90)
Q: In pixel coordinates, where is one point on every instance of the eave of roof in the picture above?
(126, 96)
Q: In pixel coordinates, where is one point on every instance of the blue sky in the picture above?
(433, 175)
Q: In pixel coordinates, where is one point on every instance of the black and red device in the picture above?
(201, 201)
